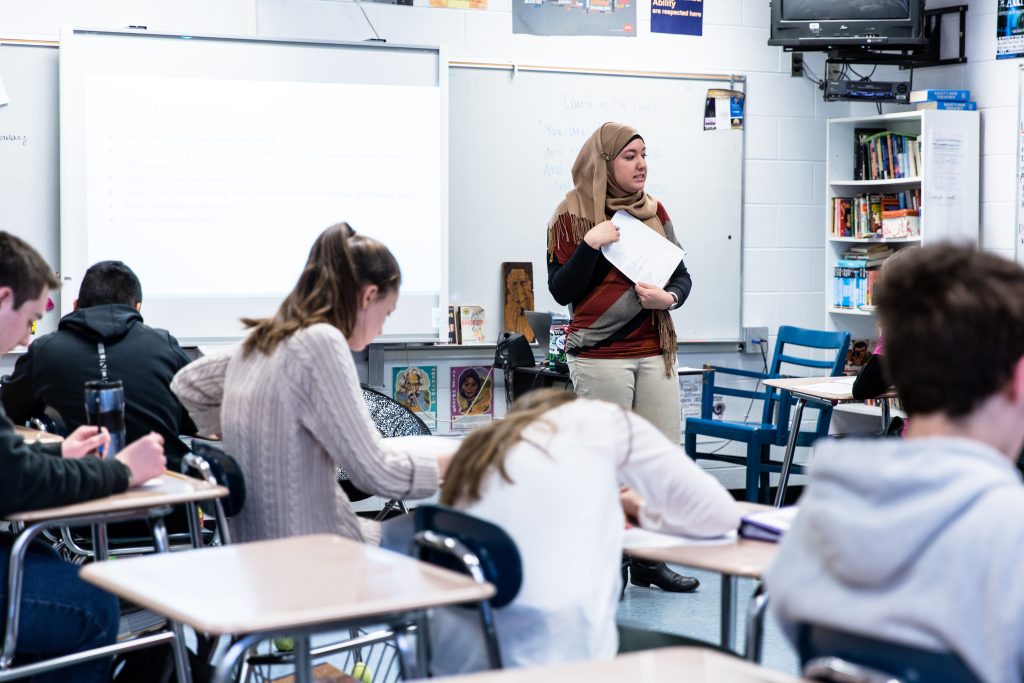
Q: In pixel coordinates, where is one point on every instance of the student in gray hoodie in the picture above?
(920, 541)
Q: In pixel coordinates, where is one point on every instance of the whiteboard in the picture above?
(209, 164)
(29, 196)
(514, 137)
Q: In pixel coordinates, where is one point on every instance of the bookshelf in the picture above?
(945, 183)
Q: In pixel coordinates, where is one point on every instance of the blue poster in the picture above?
(684, 17)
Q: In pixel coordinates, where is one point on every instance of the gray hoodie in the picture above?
(918, 541)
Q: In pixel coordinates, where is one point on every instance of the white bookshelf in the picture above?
(948, 180)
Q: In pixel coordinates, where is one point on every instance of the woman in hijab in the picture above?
(621, 341)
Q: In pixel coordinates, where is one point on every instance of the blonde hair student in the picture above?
(549, 474)
(289, 405)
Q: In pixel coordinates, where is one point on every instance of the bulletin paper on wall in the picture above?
(574, 17)
(723, 110)
(683, 17)
(1010, 29)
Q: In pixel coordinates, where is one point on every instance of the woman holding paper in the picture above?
(621, 342)
(621, 338)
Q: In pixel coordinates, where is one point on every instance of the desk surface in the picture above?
(33, 435)
(744, 557)
(838, 388)
(690, 664)
(169, 489)
(284, 583)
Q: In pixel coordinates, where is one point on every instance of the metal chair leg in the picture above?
(755, 623)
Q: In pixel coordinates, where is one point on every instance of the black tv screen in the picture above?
(827, 24)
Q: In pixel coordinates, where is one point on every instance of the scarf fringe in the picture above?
(561, 235)
(666, 340)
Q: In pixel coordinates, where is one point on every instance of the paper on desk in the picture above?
(837, 388)
(635, 537)
(642, 254)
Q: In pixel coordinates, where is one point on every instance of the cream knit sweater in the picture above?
(291, 418)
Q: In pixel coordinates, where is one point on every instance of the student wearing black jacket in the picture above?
(56, 367)
(59, 613)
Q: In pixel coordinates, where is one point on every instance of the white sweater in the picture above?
(291, 418)
(564, 514)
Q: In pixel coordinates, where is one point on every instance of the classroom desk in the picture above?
(744, 557)
(526, 379)
(825, 390)
(690, 664)
(33, 435)
(152, 500)
(293, 586)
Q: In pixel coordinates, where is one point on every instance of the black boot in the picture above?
(646, 574)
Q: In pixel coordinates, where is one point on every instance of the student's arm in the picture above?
(570, 281)
(680, 283)
(31, 478)
(200, 388)
(871, 381)
(336, 415)
(185, 424)
(679, 497)
(19, 393)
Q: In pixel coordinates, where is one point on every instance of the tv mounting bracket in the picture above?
(928, 55)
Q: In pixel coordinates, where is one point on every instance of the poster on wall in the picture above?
(723, 110)
(472, 396)
(574, 17)
(682, 17)
(415, 387)
(459, 4)
(1010, 29)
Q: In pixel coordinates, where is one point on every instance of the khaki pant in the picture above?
(638, 384)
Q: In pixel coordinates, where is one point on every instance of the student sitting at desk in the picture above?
(289, 405)
(549, 474)
(919, 541)
(60, 613)
(105, 337)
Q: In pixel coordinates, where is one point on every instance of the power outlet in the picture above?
(796, 64)
(754, 339)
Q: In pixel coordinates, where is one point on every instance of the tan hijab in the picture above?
(594, 197)
(596, 194)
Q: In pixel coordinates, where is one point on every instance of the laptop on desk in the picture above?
(540, 323)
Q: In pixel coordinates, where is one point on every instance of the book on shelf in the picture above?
(949, 95)
(889, 155)
(767, 525)
(862, 216)
(453, 327)
(852, 283)
(469, 321)
(949, 106)
(860, 158)
(858, 354)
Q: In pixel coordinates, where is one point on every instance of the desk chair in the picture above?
(391, 419)
(835, 656)
(802, 349)
(461, 542)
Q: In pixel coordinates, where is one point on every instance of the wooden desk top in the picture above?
(840, 389)
(281, 584)
(690, 664)
(743, 557)
(33, 435)
(169, 489)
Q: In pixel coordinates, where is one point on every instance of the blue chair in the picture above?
(461, 542)
(797, 352)
(834, 656)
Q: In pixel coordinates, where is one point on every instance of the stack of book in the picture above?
(957, 100)
(855, 275)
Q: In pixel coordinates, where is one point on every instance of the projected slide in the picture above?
(213, 188)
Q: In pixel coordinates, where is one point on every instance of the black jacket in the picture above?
(35, 476)
(56, 367)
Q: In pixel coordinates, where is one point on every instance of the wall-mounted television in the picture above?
(809, 25)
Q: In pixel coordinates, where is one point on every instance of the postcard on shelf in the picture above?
(472, 395)
(415, 387)
(470, 324)
(642, 254)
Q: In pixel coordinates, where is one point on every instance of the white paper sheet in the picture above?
(635, 537)
(642, 254)
(827, 388)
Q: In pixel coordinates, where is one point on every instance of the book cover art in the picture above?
(857, 356)
(415, 387)
(517, 295)
(472, 395)
(471, 324)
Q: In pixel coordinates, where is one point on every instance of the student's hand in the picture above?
(145, 458)
(443, 461)
(83, 441)
(602, 234)
(652, 297)
(631, 503)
